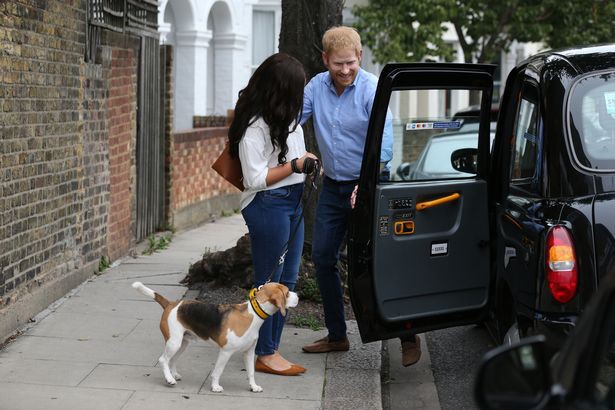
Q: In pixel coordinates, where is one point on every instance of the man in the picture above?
(340, 101)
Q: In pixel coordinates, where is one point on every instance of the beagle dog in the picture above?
(231, 327)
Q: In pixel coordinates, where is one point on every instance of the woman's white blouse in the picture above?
(257, 156)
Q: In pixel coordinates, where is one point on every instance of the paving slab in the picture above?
(220, 401)
(146, 378)
(44, 371)
(22, 396)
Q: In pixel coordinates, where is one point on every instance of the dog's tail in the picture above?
(162, 301)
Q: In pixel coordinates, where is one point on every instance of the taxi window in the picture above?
(592, 121)
(524, 159)
(426, 131)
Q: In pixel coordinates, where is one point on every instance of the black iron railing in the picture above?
(139, 16)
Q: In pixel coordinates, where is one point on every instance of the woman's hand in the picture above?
(301, 162)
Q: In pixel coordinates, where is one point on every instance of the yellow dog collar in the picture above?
(255, 305)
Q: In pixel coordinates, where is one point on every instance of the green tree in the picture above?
(579, 22)
(411, 30)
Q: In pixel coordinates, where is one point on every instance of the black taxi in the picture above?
(522, 236)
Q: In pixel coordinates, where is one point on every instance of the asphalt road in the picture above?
(455, 356)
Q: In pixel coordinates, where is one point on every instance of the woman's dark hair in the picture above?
(274, 92)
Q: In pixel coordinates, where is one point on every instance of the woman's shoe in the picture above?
(293, 370)
(300, 368)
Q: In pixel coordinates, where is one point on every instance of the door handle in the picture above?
(435, 202)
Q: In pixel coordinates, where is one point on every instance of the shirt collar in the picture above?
(329, 80)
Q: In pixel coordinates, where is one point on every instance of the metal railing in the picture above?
(138, 16)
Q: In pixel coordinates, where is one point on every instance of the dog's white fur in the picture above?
(233, 328)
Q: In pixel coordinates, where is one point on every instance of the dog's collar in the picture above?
(256, 306)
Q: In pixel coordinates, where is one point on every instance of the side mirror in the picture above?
(403, 170)
(514, 377)
(464, 160)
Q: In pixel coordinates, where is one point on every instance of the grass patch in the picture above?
(104, 263)
(307, 289)
(156, 244)
(308, 321)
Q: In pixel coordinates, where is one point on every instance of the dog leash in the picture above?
(313, 187)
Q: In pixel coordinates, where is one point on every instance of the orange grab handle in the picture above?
(430, 204)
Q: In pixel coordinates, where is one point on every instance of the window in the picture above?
(525, 148)
(425, 134)
(592, 121)
(263, 36)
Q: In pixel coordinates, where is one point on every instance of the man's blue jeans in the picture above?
(272, 217)
(330, 226)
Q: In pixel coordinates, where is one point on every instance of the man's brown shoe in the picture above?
(324, 345)
(410, 352)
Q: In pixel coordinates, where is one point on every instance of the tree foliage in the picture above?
(412, 30)
(579, 22)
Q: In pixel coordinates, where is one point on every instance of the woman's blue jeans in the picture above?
(272, 217)
(330, 226)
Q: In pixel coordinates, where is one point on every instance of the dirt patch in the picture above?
(226, 277)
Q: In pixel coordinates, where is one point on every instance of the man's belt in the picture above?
(335, 182)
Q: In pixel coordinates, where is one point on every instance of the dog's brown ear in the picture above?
(279, 299)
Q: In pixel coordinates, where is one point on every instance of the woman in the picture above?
(268, 139)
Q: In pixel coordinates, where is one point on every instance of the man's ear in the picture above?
(325, 59)
(360, 55)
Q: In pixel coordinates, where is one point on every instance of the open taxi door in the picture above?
(419, 235)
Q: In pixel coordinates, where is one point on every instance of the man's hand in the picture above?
(353, 197)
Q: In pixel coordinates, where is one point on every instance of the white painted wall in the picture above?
(213, 52)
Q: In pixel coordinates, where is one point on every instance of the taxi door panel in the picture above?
(440, 266)
(418, 244)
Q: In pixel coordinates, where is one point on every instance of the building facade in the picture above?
(218, 44)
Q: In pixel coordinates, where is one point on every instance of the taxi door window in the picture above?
(425, 133)
(526, 140)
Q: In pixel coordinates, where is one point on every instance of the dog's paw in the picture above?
(255, 388)
(177, 376)
(216, 388)
(171, 382)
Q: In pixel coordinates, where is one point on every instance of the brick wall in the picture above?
(66, 154)
(45, 216)
(122, 142)
(197, 191)
(168, 89)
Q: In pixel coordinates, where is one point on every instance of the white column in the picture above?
(231, 70)
(190, 76)
(166, 35)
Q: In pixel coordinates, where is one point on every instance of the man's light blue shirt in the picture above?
(340, 123)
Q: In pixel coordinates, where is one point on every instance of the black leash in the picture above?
(312, 176)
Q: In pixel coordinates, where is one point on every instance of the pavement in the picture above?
(98, 348)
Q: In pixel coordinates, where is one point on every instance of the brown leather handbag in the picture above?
(229, 168)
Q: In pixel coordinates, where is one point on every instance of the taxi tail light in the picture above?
(561, 260)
